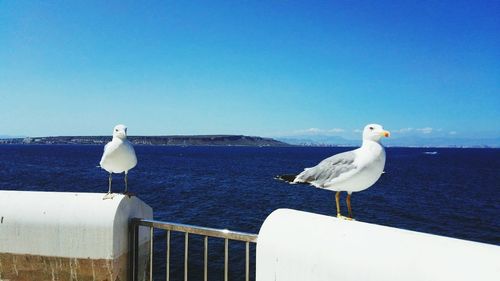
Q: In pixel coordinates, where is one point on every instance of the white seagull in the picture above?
(118, 157)
(350, 171)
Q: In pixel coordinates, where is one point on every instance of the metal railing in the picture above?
(187, 230)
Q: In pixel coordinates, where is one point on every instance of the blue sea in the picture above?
(454, 192)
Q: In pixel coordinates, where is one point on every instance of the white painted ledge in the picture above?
(63, 224)
(294, 245)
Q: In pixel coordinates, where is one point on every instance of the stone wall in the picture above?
(31, 268)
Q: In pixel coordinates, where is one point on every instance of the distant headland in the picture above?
(195, 140)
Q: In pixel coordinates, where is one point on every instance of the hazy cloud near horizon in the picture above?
(341, 132)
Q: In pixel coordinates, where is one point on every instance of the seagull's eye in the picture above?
(371, 128)
(116, 130)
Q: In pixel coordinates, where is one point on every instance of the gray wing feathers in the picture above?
(328, 169)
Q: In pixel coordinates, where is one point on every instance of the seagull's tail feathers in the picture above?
(286, 178)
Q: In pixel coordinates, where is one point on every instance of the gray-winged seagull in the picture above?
(118, 157)
(350, 171)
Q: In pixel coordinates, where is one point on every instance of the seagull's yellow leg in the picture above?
(348, 200)
(337, 201)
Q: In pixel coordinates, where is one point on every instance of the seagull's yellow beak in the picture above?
(385, 134)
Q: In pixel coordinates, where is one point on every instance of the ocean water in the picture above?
(455, 192)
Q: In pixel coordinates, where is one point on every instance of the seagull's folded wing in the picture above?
(330, 170)
(108, 149)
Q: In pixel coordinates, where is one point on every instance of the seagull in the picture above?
(350, 171)
(118, 157)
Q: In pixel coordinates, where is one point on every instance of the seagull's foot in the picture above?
(128, 193)
(345, 218)
(109, 195)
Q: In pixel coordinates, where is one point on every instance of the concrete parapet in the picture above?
(294, 245)
(67, 236)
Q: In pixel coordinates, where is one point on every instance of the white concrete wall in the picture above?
(296, 245)
(60, 224)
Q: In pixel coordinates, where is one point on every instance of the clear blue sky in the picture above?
(269, 68)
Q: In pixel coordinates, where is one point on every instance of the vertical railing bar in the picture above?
(151, 254)
(131, 243)
(136, 246)
(226, 253)
(186, 245)
(247, 262)
(133, 246)
(168, 255)
(205, 268)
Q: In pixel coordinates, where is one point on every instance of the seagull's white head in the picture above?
(374, 132)
(120, 131)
